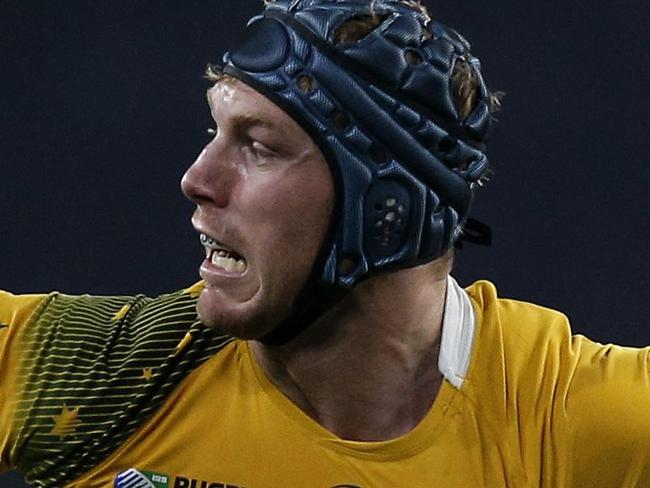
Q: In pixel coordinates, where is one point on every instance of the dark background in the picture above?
(102, 108)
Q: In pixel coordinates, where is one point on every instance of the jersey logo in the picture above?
(141, 479)
(134, 478)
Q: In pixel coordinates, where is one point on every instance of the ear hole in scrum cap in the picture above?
(386, 216)
(413, 57)
(378, 154)
(341, 120)
(347, 264)
(446, 144)
(306, 83)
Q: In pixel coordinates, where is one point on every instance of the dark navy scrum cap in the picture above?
(382, 111)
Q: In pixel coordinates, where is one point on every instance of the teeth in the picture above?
(231, 265)
(221, 256)
(219, 260)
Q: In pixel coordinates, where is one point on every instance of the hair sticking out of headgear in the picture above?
(417, 5)
(464, 88)
(357, 28)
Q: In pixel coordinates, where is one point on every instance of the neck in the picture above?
(367, 369)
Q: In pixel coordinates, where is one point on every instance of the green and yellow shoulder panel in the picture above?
(91, 371)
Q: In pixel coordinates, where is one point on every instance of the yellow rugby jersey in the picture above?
(523, 403)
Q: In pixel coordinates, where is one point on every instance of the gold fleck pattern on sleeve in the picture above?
(66, 422)
(121, 313)
(147, 374)
(187, 339)
(195, 290)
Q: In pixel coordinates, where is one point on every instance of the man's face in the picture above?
(264, 197)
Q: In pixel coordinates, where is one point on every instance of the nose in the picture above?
(209, 180)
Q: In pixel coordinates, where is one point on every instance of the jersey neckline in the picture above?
(458, 330)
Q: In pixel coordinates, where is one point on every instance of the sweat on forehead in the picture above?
(247, 108)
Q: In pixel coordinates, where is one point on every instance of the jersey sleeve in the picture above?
(561, 409)
(15, 313)
(605, 413)
(89, 370)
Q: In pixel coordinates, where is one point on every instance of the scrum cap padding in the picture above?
(382, 111)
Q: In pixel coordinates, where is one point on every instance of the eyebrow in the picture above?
(247, 120)
(242, 121)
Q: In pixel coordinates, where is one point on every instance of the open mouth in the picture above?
(223, 257)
